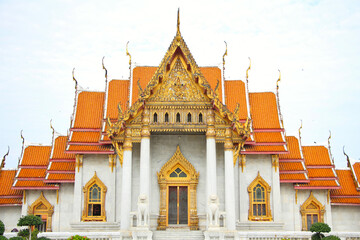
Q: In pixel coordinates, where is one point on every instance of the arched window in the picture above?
(200, 118)
(155, 117)
(189, 117)
(166, 117)
(94, 200)
(178, 173)
(178, 117)
(312, 211)
(259, 199)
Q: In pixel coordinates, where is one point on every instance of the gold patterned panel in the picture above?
(191, 180)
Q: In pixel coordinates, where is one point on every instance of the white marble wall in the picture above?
(345, 218)
(10, 217)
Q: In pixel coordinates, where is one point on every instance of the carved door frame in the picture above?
(191, 180)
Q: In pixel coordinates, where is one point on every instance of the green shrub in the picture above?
(43, 238)
(319, 228)
(29, 221)
(331, 237)
(77, 237)
(23, 233)
(3, 237)
(2, 228)
(16, 238)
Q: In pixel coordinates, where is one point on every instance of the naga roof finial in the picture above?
(329, 139)
(2, 165)
(329, 147)
(225, 54)
(127, 53)
(278, 99)
(76, 83)
(347, 157)
(277, 82)
(51, 126)
(103, 66)
(247, 75)
(300, 131)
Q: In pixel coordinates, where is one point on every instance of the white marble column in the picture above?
(145, 156)
(210, 156)
(126, 182)
(111, 210)
(78, 193)
(229, 181)
(244, 195)
(275, 188)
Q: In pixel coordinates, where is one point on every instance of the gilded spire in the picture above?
(300, 131)
(247, 76)
(2, 165)
(225, 54)
(178, 22)
(216, 90)
(103, 66)
(52, 128)
(128, 54)
(23, 146)
(329, 147)
(278, 99)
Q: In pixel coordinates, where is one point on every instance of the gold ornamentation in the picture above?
(225, 54)
(76, 83)
(236, 153)
(2, 165)
(267, 189)
(112, 161)
(119, 151)
(278, 99)
(42, 207)
(191, 180)
(228, 145)
(275, 161)
(87, 201)
(311, 207)
(79, 161)
(127, 146)
(296, 195)
(242, 162)
(103, 66)
(128, 54)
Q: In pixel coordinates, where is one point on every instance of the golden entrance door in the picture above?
(178, 205)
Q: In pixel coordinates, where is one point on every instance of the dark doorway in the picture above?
(178, 205)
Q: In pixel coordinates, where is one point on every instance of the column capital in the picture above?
(228, 145)
(145, 129)
(210, 120)
(127, 145)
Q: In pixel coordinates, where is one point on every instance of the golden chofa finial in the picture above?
(127, 53)
(300, 130)
(247, 71)
(347, 157)
(73, 75)
(225, 54)
(51, 126)
(103, 66)
(277, 82)
(22, 137)
(4, 157)
(329, 139)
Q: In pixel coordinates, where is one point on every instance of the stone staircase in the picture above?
(178, 234)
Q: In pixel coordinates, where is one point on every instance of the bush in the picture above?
(16, 238)
(319, 228)
(23, 233)
(45, 238)
(331, 237)
(2, 228)
(77, 237)
(3, 238)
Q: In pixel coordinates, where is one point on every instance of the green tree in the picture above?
(30, 221)
(2, 228)
(319, 228)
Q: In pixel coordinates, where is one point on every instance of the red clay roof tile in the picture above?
(235, 93)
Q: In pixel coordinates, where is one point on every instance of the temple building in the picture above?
(179, 147)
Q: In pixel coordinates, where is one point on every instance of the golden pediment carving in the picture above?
(178, 86)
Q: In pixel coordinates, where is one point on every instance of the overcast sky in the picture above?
(315, 44)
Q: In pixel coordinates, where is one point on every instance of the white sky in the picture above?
(315, 44)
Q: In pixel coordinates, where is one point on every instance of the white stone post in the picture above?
(126, 182)
(210, 156)
(244, 195)
(78, 193)
(111, 211)
(229, 181)
(276, 203)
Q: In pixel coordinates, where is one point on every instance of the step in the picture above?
(178, 234)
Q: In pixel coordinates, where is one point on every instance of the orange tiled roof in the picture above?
(235, 93)
(144, 75)
(10, 201)
(316, 155)
(264, 111)
(347, 184)
(327, 184)
(320, 172)
(268, 137)
(213, 75)
(255, 148)
(295, 176)
(293, 147)
(59, 149)
(291, 166)
(83, 148)
(6, 181)
(118, 92)
(62, 166)
(33, 184)
(344, 201)
(356, 167)
(61, 176)
(85, 137)
(89, 110)
(36, 155)
(31, 173)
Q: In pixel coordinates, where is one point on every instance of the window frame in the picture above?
(319, 210)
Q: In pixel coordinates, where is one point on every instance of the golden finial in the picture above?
(22, 137)
(300, 131)
(76, 83)
(51, 126)
(225, 54)
(277, 82)
(178, 22)
(128, 54)
(247, 71)
(329, 139)
(103, 66)
(236, 111)
(347, 157)
(120, 111)
(3, 160)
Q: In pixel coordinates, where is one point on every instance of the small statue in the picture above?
(143, 211)
(213, 211)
